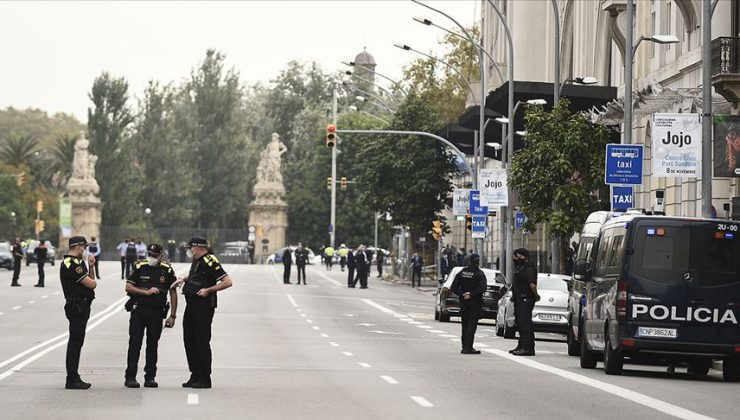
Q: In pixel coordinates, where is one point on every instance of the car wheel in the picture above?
(574, 347)
(613, 361)
(443, 317)
(499, 330)
(588, 357)
(731, 370)
(436, 314)
(699, 367)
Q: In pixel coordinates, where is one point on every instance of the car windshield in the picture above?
(709, 250)
(552, 283)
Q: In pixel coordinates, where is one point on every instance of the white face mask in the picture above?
(85, 254)
(152, 261)
(190, 253)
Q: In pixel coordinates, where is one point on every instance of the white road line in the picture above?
(316, 328)
(16, 307)
(31, 302)
(448, 335)
(56, 293)
(331, 280)
(380, 307)
(44, 296)
(437, 331)
(193, 399)
(405, 319)
(454, 339)
(304, 315)
(389, 379)
(545, 352)
(636, 397)
(348, 354)
(324, 335)
(292, 301)
(299, 310)
(2, 313)
(426, 327)
(421, 401)
(309, 321)
(363, 364)
(334, 344)
(415, 323)
(481, 345)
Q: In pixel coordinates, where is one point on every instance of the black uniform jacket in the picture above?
(206, 271)
(146, 276)
(72, 271)
(470, 279)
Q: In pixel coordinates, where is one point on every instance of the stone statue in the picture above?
(83, 165)
(82, 193)
(268, 170)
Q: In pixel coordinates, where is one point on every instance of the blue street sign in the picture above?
(479, 226)
(624, 164)
(475, 207)
(622, 198)
(519, 220)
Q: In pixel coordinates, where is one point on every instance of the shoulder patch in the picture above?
(165, 264)
(68, 262)
(210, 259)
(79, 270)
(141, 263)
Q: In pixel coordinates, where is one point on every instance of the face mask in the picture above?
(85, 254)
(518, 261)
(190, 253)
(152, 261)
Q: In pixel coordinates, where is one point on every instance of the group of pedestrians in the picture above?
(19, 251)
(300, 257)
(130, 251)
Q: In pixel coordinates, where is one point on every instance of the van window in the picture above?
(601, 254)
(715, 254)
(616, 254)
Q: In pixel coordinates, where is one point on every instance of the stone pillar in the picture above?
(268, 213)
(82, 192)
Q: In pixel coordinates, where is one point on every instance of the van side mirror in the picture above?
(582, 267)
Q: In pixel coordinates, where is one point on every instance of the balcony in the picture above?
(726, 67)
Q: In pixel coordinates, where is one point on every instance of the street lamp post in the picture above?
(333, 216)
(148, 214)
(382, 102)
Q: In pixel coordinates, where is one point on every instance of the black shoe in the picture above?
(77, 384)
(189, 384)
(522, 352)
(470, 351)
(363, 287)
(150, 383)
(201, 384)
(514, 349)
(131, 383)
(38, 285)
(15, 284)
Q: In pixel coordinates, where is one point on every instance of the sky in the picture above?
(50, 52)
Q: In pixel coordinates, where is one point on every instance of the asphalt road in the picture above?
(320, 351)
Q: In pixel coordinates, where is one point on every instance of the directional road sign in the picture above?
(479, 226)
(622, 198)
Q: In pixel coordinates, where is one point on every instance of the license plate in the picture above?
(550, 317)
(657, 332)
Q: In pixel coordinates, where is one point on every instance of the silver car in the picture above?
(550, 314)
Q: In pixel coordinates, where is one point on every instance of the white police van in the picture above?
(662, 289)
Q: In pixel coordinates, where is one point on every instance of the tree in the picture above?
(18, 150)
(37, 124)
(108, 122)
(408, 177)
(58, 168)
(559, 170)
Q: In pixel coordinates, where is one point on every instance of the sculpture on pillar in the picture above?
(82, 190)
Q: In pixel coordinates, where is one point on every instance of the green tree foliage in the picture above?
(557, 172)
(445, 89)
(37, 124)
(408, 177)
(58, 168)
(18, 150)
(108, 123)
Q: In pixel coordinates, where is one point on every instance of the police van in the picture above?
(662, 289)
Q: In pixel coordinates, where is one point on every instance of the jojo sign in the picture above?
(494, 190)
(460, 201)
(676, 148)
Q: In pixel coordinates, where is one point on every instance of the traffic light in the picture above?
(39, 226)
(343, 182)
(469, 222)
(20, 178)
(437, 230)
(331, 135)
(328, 183)
(39, 206)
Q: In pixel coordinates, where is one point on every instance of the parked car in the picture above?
(233, 255)
(550, 314)
(6, 255)
(31, 257)
(277, 256)
(447, 303)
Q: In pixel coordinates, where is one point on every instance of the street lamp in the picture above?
(148, 214)
(398, 85)
(355, 109)
(385, 105)
(348, 84)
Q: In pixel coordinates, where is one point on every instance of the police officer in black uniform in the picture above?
(351, 265)
(78, 284)
(206, 277)
(469, 285)
(287, 262)
(17, 251)
(524, 294)
(148, 285)
(301, 259)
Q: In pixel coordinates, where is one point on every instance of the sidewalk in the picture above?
(427, 285)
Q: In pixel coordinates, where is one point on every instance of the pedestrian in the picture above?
(351, 269)
(205, 279)
(147, 287)
(140, 250)
(40, 253)
(343, 251)
(361, 266)
(287, 262)
(183, 250)
(417, 262)
(301, 259)
(171, 250)
(329, 257)
(444, 265)
(524, 294)
(78, 285)
(17, 261)
(569, 259)
(469, 285)
(131, 255)
(369, 257)
(460, 256)
(94, 250)
(122, 252)
(379, 257)
(250, 251)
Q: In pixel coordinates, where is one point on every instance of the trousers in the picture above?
(77, 315)
(469, 314)
(301, 270)
(350, 276)
(523, 314)
(123, 267)
(130, 261)
(42, 276)
(196, 326)
(149, 318)
(286, 273)
(16, 269)
(416, 274)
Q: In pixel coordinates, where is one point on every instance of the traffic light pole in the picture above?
(333, 217)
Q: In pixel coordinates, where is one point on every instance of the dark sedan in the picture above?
(6, 256)
(447, 304)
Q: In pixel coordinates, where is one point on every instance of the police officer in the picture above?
(94, 249)
(524, 294)
(351, 264)
(301, 258)
(379, 256)
(78, 284)
(417, 262)
(131, 256)
(206, 277)
(40, 253)
(287, 262)
(469, 285)
(17, 260)
(148, 286)
(343, 251)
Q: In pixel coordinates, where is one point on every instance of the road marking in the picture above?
(389, 379)
(366, 325)
(292, 301)
(421, 401)
(303, 315)
(2, 313)
(44, 296)
(448, 335)
(193, 399)
(405, 319)
(348, 354)
(363, 364)
(31, 302)
(334, 344)
(642, 399)
(380, 307)
(482, 345)
(324, 335)
(350, 315)
(331, 280)
(16, 307)
(545, 352)
(316, 328)
(385, 332)
(426, 327)
(299, 310)
(415, 322)
(56, 293)
(309, 321)
(453, 339)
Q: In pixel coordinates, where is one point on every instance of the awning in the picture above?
(463, 139)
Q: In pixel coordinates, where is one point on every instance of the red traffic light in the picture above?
(331, 128)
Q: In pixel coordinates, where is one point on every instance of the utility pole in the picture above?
(556, 98)
(628, 54)
(706, 117)
(333, 218)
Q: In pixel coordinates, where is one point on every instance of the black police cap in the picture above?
(154, 249)
(474, 258)
(198, 241)
(524, 252)
(77, 240)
